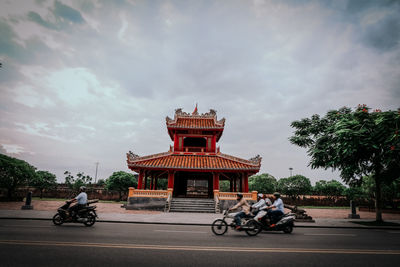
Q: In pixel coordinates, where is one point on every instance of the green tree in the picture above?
(44, 180)
(263, 183)
(356, 142)
(13, 173)
(224, 186)
(294, 186)
(330, 188)
(121, 181)
(74, 183)
(101, 182)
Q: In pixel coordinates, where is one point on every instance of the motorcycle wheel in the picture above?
(58, 219)
(288, 229)
(91, 219)
(219, 227)
(252, 228)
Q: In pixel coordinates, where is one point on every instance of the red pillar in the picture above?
(170, 179)
(151, 182)
(234, 184)
(216, 181)
(246, 182)
(140, 179)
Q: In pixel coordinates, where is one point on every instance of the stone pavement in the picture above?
(178, 218)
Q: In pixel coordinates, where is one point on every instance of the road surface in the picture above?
(39, 243)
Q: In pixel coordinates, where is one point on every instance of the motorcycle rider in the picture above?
(276, 210)
(261, 205)
(245, 210)
(81, 199)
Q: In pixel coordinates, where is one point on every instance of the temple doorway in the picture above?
(193, 185)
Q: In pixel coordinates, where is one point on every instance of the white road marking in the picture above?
(177, 231)
(332, 234)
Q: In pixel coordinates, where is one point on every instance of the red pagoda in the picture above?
(194, 165)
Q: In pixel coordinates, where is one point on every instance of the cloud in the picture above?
(35, 17)
(385, 34)
(67, 13)
(103, 81)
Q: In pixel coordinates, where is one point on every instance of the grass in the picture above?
(375, 223)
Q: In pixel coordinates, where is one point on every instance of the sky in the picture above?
(86, 81)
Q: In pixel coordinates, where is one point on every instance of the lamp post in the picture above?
(95, 176)
(290, 170)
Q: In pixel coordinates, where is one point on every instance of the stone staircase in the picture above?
(192, 205)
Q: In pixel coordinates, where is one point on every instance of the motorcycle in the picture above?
(285, 223)
(249, 225)
(86, 215)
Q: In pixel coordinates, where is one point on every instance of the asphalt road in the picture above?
(39, 243)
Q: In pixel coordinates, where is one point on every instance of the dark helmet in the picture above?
(277, 194)
(239, 195)
(82, 188)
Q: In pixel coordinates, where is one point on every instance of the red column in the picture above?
(216, 181)
(246, 182)
(151, 182)
(140, 179)
(170, 179)
(234, 185)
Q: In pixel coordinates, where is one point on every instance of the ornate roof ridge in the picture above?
(256, 161)
(212, 114)
(135, 158)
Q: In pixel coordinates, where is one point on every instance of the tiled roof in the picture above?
(193, 162)
(198, 123)
(195, 120)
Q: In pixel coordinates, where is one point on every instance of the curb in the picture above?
(206, 224)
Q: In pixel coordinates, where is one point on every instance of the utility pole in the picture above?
(290, 170)
(95, 177)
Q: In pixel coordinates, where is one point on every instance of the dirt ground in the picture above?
(116, 208)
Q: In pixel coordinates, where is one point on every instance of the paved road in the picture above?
(39, 243)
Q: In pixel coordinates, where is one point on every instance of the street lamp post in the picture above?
(95, 176)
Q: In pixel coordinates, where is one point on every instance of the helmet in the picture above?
(277, 194)
(239, 195)
(82, 188)
(260, 195)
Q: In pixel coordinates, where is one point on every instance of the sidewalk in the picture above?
(203, 219)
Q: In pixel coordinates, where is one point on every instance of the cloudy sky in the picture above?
(86, 81)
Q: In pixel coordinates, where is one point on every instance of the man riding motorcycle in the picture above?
(260, 206)
(245, 210)
(82, 202)
(276, 210)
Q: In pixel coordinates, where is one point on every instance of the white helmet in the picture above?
(260, 195)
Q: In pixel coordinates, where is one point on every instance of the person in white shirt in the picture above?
(261, 206)
(276, 210)
(81, 199)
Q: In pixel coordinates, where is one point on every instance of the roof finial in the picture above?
(195, 111)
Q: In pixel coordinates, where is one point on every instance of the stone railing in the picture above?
(149, 193)
(232, 195)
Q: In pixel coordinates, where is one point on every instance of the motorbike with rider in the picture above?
(81, 212)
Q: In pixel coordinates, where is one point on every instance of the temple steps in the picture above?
(192, 205)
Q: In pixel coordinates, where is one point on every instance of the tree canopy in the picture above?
(120, 181)
(75, 182)
(263, 183)
(331, 188)
(356, 142)
(13, 173)
(44, 180)
(294, 186)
